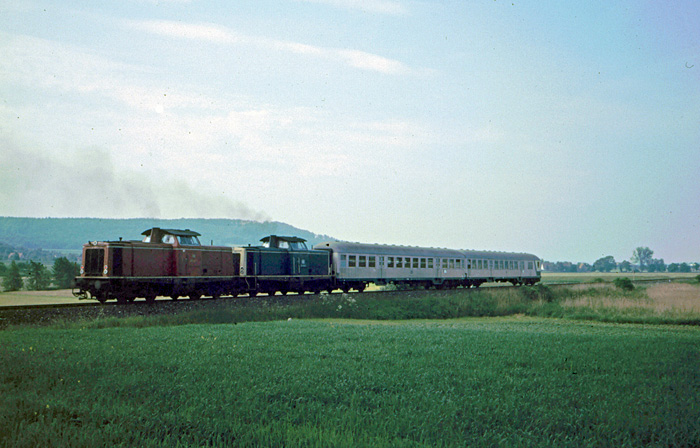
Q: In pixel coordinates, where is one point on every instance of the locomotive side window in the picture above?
(352, 261)
(298, 245)
(168, 239)
(363, 261)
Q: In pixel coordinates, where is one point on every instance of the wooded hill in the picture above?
(60, 234)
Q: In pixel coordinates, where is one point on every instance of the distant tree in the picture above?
(656, 265)
(64, 271)
(642, 257)
(12, 280)
(685, 268)
(39, 278)
(673, 267)
(625, 266)
(3, 269)
(605, 264)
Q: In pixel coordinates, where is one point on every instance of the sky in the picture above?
(570, 130)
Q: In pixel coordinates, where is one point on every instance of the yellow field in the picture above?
(588, 277)
(671, 299)
(56, 297)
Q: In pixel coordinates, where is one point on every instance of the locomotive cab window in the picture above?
(188, 240)
(298, 245)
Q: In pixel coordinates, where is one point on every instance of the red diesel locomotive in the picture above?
(170, 262)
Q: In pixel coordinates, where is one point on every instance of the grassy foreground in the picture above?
(493, 382)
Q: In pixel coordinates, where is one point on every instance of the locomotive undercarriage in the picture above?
(127, 289)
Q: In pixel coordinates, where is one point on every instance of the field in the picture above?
(581, 365)
(467, 382)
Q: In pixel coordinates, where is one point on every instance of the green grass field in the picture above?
(513, 381)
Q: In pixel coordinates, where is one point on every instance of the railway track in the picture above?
(89, 309)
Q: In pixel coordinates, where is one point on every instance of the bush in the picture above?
(537, 292)
(624, 283)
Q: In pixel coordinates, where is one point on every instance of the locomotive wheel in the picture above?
(345, 289)
(361, 288)
(150, 298)
(174, 297)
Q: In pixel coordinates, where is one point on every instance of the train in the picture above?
(173, 263)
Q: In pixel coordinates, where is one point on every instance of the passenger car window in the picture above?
(363, 261)
(372, 262)
(391, 262)
(352, 261)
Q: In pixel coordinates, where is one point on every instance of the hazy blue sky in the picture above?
(567, 129)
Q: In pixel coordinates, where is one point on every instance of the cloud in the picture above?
(373, 6)
(204, 32)
(223, 36)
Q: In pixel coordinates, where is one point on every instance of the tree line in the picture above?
(642, 260)
(34, 276)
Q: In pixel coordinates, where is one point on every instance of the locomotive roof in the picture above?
(291, 239)
(176, 232)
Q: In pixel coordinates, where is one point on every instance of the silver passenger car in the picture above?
(354, 265)
(488, 266)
